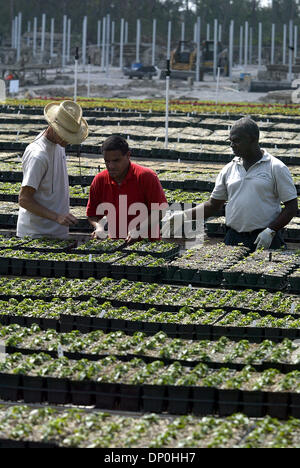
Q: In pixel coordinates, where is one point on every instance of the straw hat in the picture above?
(67, 121)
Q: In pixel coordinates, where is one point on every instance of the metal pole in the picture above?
(19, 36)
(126, 32)
(291, 27)
(121, 43)
(208, 32)
(250, 45)
(295, 42)
(138, 39)
(153, 40)
(218, 83)
(84, 31)
(13, 34)
(34, 34)
(43, 33)
(63, 57)
(182, 34)
(198, 39)
(231, 39)
(195, 33)
(112, 42)
(168, 85)
(215, 47)
(246, 44)
(241, 45)
(284, 44)
(89, 77)
(273, 44)
(107, 43)
(69, 40)
(28, 31)
(52, 37)
(220, 33)
(259, 43)
(103, 44)
(98, 33)
(75, 74)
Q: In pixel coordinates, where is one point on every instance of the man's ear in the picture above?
(128, 154)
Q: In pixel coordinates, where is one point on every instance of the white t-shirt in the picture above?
(45, 169)
(254, 196)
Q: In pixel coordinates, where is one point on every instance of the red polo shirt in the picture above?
(141, 185)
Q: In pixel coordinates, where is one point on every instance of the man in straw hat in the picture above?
(44, 196)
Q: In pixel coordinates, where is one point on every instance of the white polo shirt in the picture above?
(254, 196)
(45, 170)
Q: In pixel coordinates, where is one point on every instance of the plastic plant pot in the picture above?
(150, 328)
(4, 265)
(59, 269)
(17, 266)
(186, 331)
(179, 399)
(254, 403)
(229, 402)
(154, 398)
(58, 391)
(277, 404)
(33, 389)
(130, 397)
(82, 393)
(32, 267)
(9, 386)
(107, 395)
(170, 329)
(203, 400)
(295, 405)
(83, 324)
(46, 268)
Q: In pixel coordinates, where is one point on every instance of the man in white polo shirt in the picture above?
(254, 184)
(44, 196)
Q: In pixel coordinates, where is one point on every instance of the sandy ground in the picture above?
(113, 84)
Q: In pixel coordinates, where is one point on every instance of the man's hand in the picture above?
(133, 236)
(66, 219)
(174, 224)
(264, 239)
(99, 232)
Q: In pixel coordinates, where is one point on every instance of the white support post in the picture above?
(121, 43)
(241, 45)
(19, 36)
(182, 33)
(291, 30)
(153, 41)
(273, 45)
(250, 45)
(284, 44)
(107, 43)
(138, 39)
(13, 34)
(84, 33)
(63, 56)
(259, 43)
(52, 38)
(69, 40)
(296, 42)
(168, 85)
(231, 44)
(198, 41)
(126, 32)
(43, 33)
(220, 33)
(112, 42)
(208, 32)
(195, 33)
(28, 33)
(98, 33)
(246, 44)
(34, 35)
(75, 74)
(103, 44)
(215, 48)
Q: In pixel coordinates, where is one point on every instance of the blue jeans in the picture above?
(233, 237)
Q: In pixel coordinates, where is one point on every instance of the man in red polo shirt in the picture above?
(127, 196)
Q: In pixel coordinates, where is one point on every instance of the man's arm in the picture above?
(28, 202)
(211, 208)
(289, 211)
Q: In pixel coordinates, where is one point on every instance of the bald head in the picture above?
(247, 127)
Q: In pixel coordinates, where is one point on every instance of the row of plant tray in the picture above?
(219, 230)
(282, 367)
(154, 153)
(76, 269)
(149, 398)
(67, 323)
(26, 444)
(107, 112)
(9, 221)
